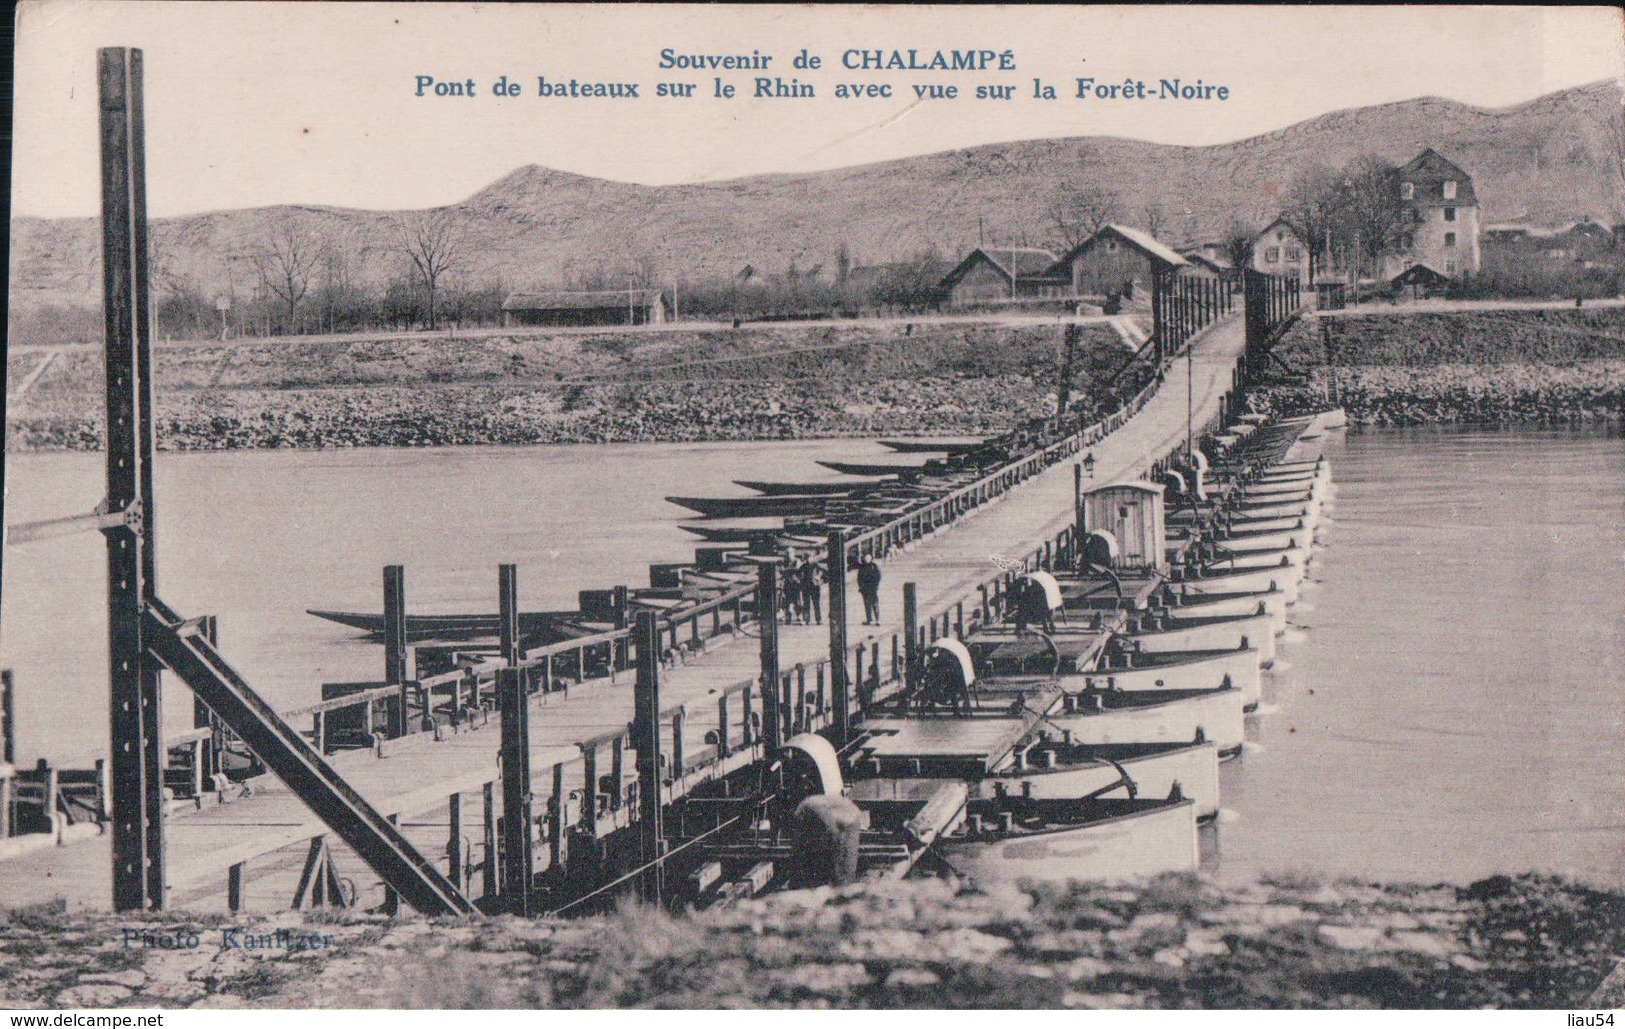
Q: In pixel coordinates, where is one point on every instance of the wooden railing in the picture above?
(591, 795)
(372, 717)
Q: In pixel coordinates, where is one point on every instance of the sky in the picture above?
(316, 103)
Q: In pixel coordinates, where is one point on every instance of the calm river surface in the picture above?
(1452, 702)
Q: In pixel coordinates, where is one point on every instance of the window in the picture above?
(1450, 267)
(1407, 241)
(1407, 191)
(1111, 244)
(1293, 254)
(1450, 214)
(1280, 236)
(1272, 255)
(1450, 239)
(1449, 189)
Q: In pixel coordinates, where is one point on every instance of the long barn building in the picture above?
(583, 307)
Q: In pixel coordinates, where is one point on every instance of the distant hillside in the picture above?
(1543, 161)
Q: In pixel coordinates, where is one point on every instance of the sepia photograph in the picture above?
(688, 506)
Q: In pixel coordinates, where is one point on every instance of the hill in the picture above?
(1554, 158)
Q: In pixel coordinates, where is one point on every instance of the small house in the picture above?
(1419, 278)
(1113, 259)
(991, 274)
(1278, 250)
(1204, 267)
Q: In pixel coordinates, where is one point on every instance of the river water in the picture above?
(1450, 701)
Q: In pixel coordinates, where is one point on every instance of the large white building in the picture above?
(1444, 227)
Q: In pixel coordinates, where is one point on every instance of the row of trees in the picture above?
(1354, 211)
(294, 280)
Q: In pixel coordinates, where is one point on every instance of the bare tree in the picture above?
(1238, 244)
(1078, 212)
(1371, 210)
(436, 245)
(1313, 205)
(286, 257)
(1156, 219)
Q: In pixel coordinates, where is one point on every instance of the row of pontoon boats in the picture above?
(1079, 735)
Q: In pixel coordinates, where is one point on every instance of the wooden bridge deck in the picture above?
(417, 774)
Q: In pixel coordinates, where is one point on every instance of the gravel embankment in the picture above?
(671, 386)
(1502, 394)
(1175, 942)
(622, 413)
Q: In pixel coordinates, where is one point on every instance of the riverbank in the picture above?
(1517, 365)
(660, 412)
(1585, 393)
(1174, 942)
(667, 385)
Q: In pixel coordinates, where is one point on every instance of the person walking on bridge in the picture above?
(812, 579)
(790, 591)
(869, 588)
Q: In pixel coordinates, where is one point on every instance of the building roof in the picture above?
(1279, 222)
(1141, 241)
(1210, 263)
(583, 300)
(1428, 171)
(1030, 263)
(1419, 275)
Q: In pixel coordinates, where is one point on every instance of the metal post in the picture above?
(490, 868)
(767, 608)
(8, 724)
(589, 793)
(518, 861)
(201, 715)
(617, 771)
(395, 642)
(392, 896)
(508, 612)
(1190, 396)
(840, 688)
(556, 823)
(646, 739)
(911, 632)
(454, 841)
(620, 653)
(136, 733)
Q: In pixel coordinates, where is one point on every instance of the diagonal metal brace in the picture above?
(103, 519)
(371, 835)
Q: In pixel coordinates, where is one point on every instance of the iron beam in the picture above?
(840, 687)
(767, 627)
(518, 859)
(286, 752)
(646, 740)
(133, 682)
(508, 608)
(911, 632)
